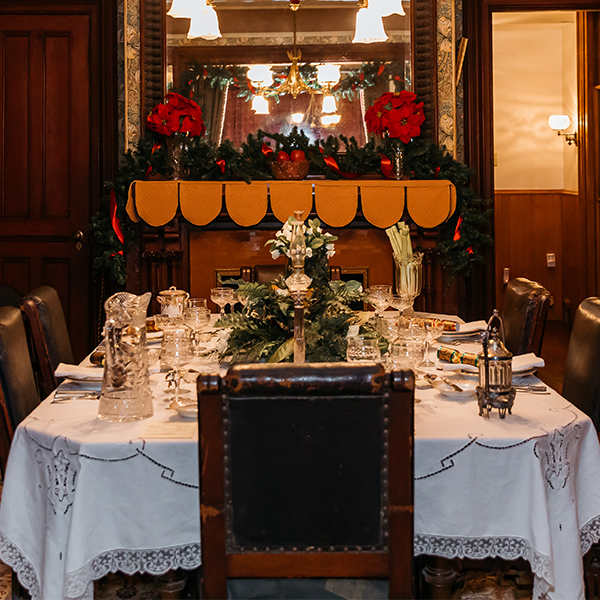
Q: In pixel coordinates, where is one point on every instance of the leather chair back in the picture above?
(10, 296)
(49, 333)
(18, 389)
(581, 384)
(299, 462)
(524, 314)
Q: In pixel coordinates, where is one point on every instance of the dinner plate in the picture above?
(188, 411)
(154, 335)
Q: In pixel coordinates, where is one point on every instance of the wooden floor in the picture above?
(554, 353)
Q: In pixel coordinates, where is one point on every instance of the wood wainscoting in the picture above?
(529, 224)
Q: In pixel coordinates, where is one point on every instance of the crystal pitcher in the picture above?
(126, 392)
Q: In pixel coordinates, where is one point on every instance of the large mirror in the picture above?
(278, 64)
(269, 33)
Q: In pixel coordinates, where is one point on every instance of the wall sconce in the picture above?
(559, 123)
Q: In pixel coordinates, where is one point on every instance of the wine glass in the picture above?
(197, 317)
(434, 328)
(380, 297)
(176, 351)
(401, 302)
(221, 296)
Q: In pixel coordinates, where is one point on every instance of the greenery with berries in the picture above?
(462, 241)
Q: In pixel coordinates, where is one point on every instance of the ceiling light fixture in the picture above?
(385, 8)
(204, 21)
(369, 25)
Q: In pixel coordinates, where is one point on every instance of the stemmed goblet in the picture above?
(176, 351)
(401, 302)
(221, 296)
(380, 297)
(435, 329)
(197, 317)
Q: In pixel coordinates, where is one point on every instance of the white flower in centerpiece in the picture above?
(275, 254)
(330, 250)
(286, 231)
(281, 292)
(309, 252)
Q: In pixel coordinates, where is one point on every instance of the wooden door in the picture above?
(46, 159)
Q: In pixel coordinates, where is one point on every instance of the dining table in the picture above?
(84, 497)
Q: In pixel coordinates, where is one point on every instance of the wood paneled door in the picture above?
(50, 162)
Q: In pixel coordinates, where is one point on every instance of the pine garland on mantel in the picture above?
(461, 242)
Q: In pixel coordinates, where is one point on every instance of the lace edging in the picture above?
(507, 548)
(11, 554)
(154, 562)
(589, 534)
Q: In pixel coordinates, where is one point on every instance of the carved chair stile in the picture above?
(275, 502)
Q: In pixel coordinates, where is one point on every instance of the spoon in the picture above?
(431, 377)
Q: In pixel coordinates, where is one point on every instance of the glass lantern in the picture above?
(495, 388)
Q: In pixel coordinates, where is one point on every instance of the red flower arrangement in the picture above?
(396, 113)
(177, 114)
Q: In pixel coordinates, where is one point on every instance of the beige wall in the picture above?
(534, 77)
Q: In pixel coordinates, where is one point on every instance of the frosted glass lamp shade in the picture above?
(260, 75)
(369, 27)
(559, 122)
(184, 9)
(297, 118)
(260, 105)
(328, 74)
(329, 105)
(330, 120)
(205, 24)
(385, 8)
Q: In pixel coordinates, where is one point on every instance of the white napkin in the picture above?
(473, 326)
(520, 363)
(89, 373)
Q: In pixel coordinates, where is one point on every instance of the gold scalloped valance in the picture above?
(429, 202)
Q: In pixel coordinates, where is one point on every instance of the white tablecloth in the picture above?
(84, 497)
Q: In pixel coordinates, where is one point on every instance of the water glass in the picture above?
(197, 317)
(380, 297)
(363, 349)
(406, 353)
(176, 351)
(435, 329)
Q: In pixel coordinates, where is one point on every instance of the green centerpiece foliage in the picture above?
(264, 330)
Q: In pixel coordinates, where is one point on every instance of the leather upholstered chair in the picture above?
(18, 389)
(306, 472)
(524, 314)
(581, 384)
(10, 296)
(49, 333)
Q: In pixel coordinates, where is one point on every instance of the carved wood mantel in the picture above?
(195, 233)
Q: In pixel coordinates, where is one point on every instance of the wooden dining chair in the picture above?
(49, 333)
(306, 471)
(581, 385)
(18, 389)
(524, 314)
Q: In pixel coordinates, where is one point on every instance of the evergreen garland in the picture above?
(422, 159)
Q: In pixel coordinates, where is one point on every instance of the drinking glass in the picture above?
(380, 297)
(401, 302)
(176, 351)
(197, 317)
(363, 349)
(221, 296)
(435, 329)
(407, 353)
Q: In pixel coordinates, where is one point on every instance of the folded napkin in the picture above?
(520, 363)
(472, 327)
(80, 373)
(77, 372)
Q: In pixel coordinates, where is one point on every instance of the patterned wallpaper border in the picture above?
(450, 97)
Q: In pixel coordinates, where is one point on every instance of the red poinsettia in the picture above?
(176, 115)
(396, 113)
